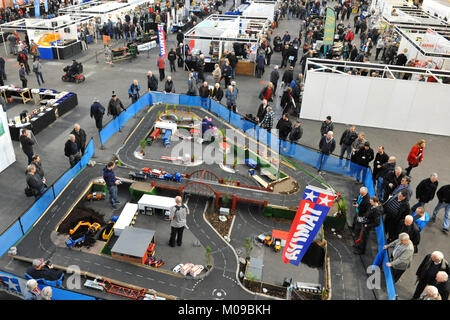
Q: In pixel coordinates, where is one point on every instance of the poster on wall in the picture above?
(311, 213)
(7, 155)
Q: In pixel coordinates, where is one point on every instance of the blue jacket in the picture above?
(109, 177)
(132, 86)
(421, 223)
(97, 110)
(260, 60)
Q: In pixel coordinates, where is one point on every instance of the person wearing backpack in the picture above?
(37, 69)
(177, 219)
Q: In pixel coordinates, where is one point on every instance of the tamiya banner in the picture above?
(310, 215)
(162, 41)
(330, 26)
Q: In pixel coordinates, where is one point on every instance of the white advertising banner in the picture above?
(7, 155)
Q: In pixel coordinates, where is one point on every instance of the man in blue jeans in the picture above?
(111, 183)
(443, 195)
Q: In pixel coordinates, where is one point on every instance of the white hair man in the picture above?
(431, 293)
(362, 206)
(32, 291)
(441, 283)
(401, 256)
(327, 145)
(430, 266)
(408, 226)
(71, 150)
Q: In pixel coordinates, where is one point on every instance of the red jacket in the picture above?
(414, 153)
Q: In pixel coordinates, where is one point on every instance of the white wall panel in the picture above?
(378, 102)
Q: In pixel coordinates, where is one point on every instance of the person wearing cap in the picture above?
(362, 157)
(115, 106)
(41, 269)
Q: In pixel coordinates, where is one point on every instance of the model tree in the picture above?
(208, 257)
(248, 247)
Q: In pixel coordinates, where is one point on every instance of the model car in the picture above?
(177, 268)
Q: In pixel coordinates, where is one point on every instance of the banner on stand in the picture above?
(162, 41)
(311, 213)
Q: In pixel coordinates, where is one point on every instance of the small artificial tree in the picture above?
(143, 143)
(248, 247)
(208, 256)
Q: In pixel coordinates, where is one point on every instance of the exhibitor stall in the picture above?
(56, 38)
(101, 10)
(440, 8)
(218, 33)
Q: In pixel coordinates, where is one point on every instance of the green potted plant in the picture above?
(143, 143)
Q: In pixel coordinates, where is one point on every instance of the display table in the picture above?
(55, 104)
(246, 68)
(62, 101)
(12, 92)
(67, 51)
(36, 124)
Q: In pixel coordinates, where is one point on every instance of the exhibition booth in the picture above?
(441, 8)
(218, 33)
(102, 11)
(259, 9)
(56, 38)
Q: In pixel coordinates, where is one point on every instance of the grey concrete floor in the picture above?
(102, 79)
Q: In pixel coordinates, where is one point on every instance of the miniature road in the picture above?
(219, 284)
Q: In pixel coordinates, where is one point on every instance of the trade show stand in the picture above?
(50, 105)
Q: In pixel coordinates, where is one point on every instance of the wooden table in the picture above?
(246, 68)
(24, 94)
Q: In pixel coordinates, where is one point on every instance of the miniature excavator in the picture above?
(83, 234)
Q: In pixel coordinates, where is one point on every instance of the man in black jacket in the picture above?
(152, 82)
(172, 56)
(296, 133)
(362, 157)
(284, 127)
(391, 180)
(395, 209)
(35, 182)
(362, 206)
(326, 145)
(408, 226)
(42, 270)
(371, 221)
(327, 125)
(442, 284)
(217, 93)
(288, 75)
(347, 138)
(115, 106)
(27, 144)
(380, 158)
(71, 151)
(274, 77)
(381, 172)
(428, 269)
(80, 137)
(425, 191)
(443, 196)
(233, 63)
(169, 86)
(97, 112)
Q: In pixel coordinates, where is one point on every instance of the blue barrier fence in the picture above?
(26, 221)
